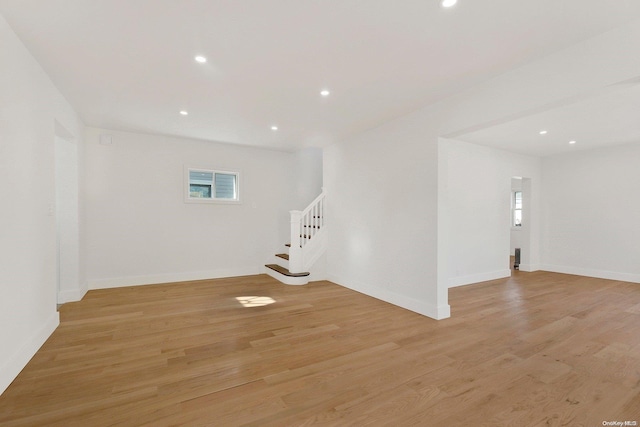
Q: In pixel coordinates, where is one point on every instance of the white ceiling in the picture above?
(610, 116)
(128, 64)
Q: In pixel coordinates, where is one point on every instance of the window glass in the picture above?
(518, 200)
(200, 184)
(210, 185)
(517, 209)
(226, 185)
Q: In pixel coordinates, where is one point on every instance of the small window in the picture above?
(206, 185)
(517, 209)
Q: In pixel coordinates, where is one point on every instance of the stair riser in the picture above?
(281, 262)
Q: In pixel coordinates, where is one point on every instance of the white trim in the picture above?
(314, 249)
(280, 261)
(412, 304)
(16, 363)
(587, 272)
(119, 282)
(319, 269)
(70, 296)
(477, 278)
(514, 209)
(529, 267)
(187, 187)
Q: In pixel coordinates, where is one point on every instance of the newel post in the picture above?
(295, 251)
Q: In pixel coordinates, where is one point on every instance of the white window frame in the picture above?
(187, 185)
(513, 209)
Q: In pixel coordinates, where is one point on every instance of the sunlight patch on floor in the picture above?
(255, 301)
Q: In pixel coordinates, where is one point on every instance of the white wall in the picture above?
(308, 176)
(139, 230)
(382, 214)
(591, 209)
(390, 241)
(479, 210)
(30, 105)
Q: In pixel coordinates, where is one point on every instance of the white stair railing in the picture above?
(308, 235)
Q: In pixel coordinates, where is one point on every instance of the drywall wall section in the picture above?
(139, 229)
(591, 212)
(308, 173)
(30, 107)
(479, 210)
(382, 210)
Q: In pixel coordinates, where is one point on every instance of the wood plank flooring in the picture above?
(534, 350)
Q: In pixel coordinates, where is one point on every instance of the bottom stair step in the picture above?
(284, 271)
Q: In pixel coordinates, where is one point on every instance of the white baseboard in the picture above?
(70, 296)
(16, 363)
(417, 306)
(477, 278)
(600, 274)
(119, 282)
(319, 269)
(529, 267)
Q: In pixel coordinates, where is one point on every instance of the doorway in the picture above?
(520, 223)
(66, 215)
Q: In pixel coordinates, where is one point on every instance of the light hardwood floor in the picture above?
(537, 349)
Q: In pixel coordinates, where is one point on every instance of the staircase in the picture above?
(308, 243)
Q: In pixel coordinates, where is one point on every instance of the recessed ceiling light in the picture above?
(448, 3)
(274, 127)
(572, 142)
(543, 132)
(201, 59)
(184, 113)
(325, 93)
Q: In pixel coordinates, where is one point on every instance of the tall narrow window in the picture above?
(517, 209)
(206, 185)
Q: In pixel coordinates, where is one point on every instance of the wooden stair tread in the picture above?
(283, 256)
(284, 271)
